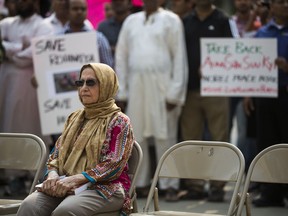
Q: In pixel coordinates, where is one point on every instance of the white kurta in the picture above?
(18, 99)
(152, 68)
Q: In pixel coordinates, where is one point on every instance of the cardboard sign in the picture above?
(57, 63)
(239, 67)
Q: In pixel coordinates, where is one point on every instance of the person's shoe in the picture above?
(191, 195)
(254, 187)
(264, 202)
(161, 192)
(142, 192)
(216, 196)
(171, 195)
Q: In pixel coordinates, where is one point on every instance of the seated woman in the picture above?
(94, 147)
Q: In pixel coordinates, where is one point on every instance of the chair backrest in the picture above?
(22, 151)
(268, 166)
(205, 160)
(134, 163)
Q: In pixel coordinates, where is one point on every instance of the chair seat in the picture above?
(8, 206)
(172, 213)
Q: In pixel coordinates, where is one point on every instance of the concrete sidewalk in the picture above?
(216, 208)
(203, 206)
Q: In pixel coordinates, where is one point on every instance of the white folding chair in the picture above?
(134, 164)
(269, 166)
(21, 151)
(205, 160)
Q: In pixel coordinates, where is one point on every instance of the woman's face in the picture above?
(90, 90)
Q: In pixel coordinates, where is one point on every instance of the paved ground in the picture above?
(203, 206)
(216, 208)
(208, 207)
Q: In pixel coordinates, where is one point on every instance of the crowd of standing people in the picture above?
(156, 54)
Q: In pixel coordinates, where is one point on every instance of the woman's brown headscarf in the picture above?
(81, 153)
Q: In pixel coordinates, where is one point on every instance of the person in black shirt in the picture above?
(111, 27)
(206, 20)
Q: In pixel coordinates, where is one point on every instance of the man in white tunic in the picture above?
(18, 100)
(152, 68)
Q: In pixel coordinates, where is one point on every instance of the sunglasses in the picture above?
(89, 82)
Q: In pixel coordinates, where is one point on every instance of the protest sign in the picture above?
(239, 67)
(57, 62)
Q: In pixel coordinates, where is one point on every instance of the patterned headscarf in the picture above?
(85, 130)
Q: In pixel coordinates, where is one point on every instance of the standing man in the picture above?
(205, 21)
(18, 100)
(18, 97)
(77, 16)
(108, 11)
(60, 17)
(182, 7)
(247, 18)
(152, 69)
(271, 113)
(111, 27)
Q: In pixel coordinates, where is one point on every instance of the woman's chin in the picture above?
(86, 103)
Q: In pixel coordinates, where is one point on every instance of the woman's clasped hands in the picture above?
(58, 186)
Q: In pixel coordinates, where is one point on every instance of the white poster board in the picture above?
(239, 67)
(57, 62)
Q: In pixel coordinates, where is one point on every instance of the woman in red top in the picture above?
(94, 147)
